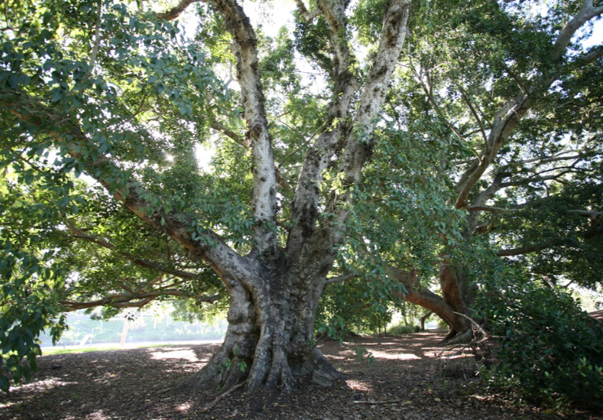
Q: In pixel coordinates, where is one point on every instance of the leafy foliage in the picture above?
(550, 351)
(28, 304)
(145, 73)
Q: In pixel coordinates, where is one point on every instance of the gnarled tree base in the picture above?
(266, 345)
(221, 373)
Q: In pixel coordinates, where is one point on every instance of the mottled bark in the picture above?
(270, 336)
(274, 296)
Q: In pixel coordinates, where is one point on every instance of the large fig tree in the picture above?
(110, 93)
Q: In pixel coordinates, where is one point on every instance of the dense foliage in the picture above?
(549, 351)
(50, 81)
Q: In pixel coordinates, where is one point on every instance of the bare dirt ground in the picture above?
(406, 377)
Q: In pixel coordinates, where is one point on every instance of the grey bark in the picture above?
(274, 293)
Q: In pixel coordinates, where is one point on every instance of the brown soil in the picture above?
(407, 377)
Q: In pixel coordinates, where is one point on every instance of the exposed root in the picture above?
(475, 327)
(464, 338)
(221, 396)
(261, 363)
(271, 367)
(210, 376)
(280, 372)
(451, 334)
(323, 371)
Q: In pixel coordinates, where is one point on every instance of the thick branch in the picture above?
(595, 230)
(96, 37)
(592, 55)
(175, 11)
(505, 122)
(337, 134)
(513, 111)
(264, 173)
(586, 13)
(343, 278)
(334, 13)
(491, 191)
(303, 11)
(181, 227)
(587, 213)
(424, 297)
(136, 300)
(304, 209)
(241, 141)
(359, 141)
(526, 249)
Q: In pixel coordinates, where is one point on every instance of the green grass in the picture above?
(145, 328)
(49, 352)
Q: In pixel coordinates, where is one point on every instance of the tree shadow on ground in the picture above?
(387, 378)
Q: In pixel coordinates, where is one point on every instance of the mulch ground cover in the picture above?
(402, 377)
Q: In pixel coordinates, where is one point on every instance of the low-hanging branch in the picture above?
(134, 300)
(180, 226)
(78, 234)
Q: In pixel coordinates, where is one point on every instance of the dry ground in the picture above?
(407, 377)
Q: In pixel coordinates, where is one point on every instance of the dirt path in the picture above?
(408, 377)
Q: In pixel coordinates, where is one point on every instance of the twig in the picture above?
(378, 402)
(219, 397)
(477, 326)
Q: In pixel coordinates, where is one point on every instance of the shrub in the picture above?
(402, 329)
(550, 350)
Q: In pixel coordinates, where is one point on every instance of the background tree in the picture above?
(493, 148)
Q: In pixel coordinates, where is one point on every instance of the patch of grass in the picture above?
(48, 352)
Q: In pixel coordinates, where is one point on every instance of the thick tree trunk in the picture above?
(427, 299)
(423, 319)
(270, 336)
(459, 295)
